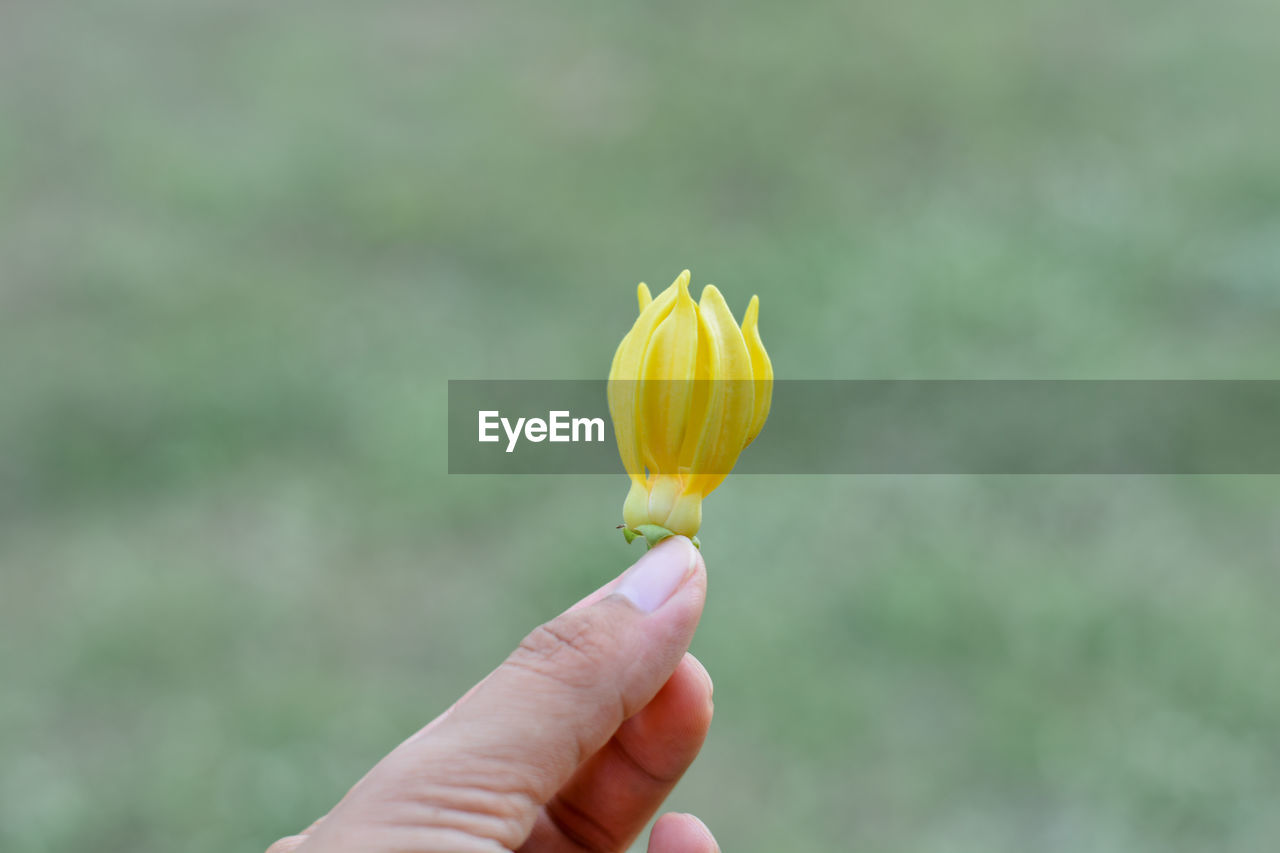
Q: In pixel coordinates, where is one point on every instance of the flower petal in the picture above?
(665, 388)
(707, 400)
(624, 376)
(761, 369)
(722, 444)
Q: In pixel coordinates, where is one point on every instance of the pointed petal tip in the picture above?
(643, 296)
(711, 294)
(682, 295)
(682, 286)
(752, 316)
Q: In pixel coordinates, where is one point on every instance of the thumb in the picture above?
(488, 765)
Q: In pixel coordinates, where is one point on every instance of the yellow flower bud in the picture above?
(688, 390)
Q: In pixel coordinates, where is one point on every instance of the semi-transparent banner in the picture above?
(883, 426)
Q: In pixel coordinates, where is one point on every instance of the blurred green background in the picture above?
(243, 246)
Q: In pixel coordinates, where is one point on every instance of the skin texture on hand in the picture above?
(569, 746)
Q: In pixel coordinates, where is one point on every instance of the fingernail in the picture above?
(658, 574)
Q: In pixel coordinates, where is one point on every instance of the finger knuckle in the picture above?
(568, 648)
(488, 814)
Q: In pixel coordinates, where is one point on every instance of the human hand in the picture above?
(570, 745)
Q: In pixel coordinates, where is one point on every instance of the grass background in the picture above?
(243, 245)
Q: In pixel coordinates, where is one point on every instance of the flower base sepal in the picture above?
(652, 534)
